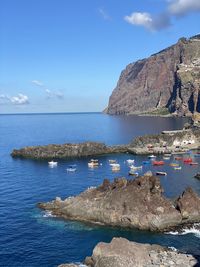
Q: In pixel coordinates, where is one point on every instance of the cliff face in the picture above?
(167, 81)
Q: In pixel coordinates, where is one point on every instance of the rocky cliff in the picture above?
(137, 203)
(166, 82)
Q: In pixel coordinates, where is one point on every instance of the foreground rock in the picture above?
(166, 82)
(135, 203)
(67, 150)
(123, 253)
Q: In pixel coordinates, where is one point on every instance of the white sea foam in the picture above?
(48, 214)
(195, 229)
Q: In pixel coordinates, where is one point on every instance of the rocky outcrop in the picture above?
(135, 203)
(67, 150)
(166, 82)
(122, 253)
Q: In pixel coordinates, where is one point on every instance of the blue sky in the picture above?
(67, 55)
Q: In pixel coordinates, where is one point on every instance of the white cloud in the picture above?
(38, 83)
(138, 18)
(146, 20)
(183, 7)
(20, 99)
(162, 20)
(49, 93)
(104, 14)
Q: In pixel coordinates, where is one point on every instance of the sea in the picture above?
(30, 237)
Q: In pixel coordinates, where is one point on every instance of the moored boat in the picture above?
(71, 168)
(146, 162)
(187, 160)
(193, 163)
(174, 164)
(132, 167)
(158, 163)
(53, 163)
(130, 161)
(93, 163)
(178, 168)
(152, 157)
(161, 173)
(133, 173)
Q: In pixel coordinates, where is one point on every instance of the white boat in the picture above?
(112, 161)
(178, 168)
(130, 161)
(71, 169)
(53, 163)
(166, 158)
(115, 165)
(116, 169)
(132, 167)
(152, 157)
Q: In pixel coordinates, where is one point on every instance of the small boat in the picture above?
(53, 163)
(187, 160)
(115, 167)
(152, 157)
(161, 173)
(174, 164)
(197, 155)
(146, 162)
(178, 158)
(93, 163)
(130, 161)
(178, 168)
(71, 168)
(193, 163)
(133, 173)
(158, 163)
(132, 167)
(112, 161)
(167, 155)
(166, 158)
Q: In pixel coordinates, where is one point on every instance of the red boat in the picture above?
(187, 160)
(158, 163)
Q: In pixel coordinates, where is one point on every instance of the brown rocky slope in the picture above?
(137, 203)
(168, 81)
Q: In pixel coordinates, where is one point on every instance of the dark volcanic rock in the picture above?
(66, 150)
(135, 203)
(165, 82)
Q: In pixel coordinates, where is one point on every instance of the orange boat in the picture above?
(187, 160)
(158, 163)
(178, 158)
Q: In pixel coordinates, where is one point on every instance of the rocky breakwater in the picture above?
(54, 151)
(133, 203)
(166, 142)
(122, 253)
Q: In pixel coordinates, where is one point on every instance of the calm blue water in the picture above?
(28, 237)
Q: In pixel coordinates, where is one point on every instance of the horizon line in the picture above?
(50, 113)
